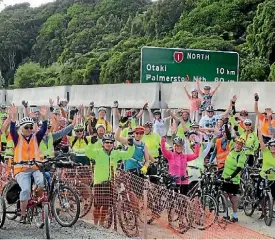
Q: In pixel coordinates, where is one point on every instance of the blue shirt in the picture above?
(138, 157)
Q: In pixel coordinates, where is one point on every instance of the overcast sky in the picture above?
(34, 3)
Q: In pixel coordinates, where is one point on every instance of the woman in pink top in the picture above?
(195, 103)
(177, 161)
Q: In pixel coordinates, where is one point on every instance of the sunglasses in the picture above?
(49, 127)
(78, 131)
(248, 124)
(139, 133)
(28, 127)
(272, 145)
(107, 142)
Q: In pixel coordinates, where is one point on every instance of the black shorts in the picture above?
(231, 188)
(271, 184)
(183, 188)
(103, 194)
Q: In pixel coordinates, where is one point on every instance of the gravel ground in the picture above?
(15, 230)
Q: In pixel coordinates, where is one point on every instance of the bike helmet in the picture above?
(138, 129)
(191, 133)
(194, 90)
(240, 140)
(25, 121)
(157, 112)
(78, 127)
(148, 124)
(243, 112)
(271, 142)
(210, 109)
(194, 125)
(108, 137)
(3, 106)
(57, 111)
(207, 87)
(247, 122)
(178, 141)
(101, 109)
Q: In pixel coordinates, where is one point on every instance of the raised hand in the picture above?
(51, 102)
(12, 112)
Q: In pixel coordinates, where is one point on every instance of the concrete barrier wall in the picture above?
(243, 90)
(36, 96)
(128, 95)
(135, 95)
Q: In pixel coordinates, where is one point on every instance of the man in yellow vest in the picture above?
(26, 148)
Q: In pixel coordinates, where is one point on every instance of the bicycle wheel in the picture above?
(109, 218)
(47, 222)
(10, 207)
(249, 200)
(65, 206)
(2, 212)
(86, 198)
(222, 204)
(127, 218)
(205, 211)
(180, 216)
(268, 209)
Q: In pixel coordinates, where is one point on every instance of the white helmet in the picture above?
(194, 90)
(247, 122)
(26, 121)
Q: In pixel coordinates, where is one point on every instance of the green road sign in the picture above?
(168, 65)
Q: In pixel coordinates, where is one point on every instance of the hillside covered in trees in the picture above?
(98, 41)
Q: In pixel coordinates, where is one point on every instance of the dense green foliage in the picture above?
(99, 41)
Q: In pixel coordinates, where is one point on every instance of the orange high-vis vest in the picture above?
(221, 154)
(24, 152)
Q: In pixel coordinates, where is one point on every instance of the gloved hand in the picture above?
(228, 179)
(25, 104)
(256, 97)
(145, 106)
(115, 104)
(130, 141)
(92, 104)
(144, 169)
(130, 132)
(124, 120)
(94, 139)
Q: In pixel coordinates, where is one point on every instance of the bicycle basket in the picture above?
(12, 192)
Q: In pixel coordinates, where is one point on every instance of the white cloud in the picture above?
(34, 3)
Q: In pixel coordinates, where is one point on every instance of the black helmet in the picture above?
(210, 109)
(192, 132)
(108, 137)
(157, 112)
(178, 141)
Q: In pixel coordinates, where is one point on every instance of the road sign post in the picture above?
(168, 65)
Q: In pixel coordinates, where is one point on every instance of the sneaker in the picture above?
(23, 219)
(40, 225)
(226, 217)
(233, 220)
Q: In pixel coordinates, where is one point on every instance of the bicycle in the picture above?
(252, 200)
(56, 190)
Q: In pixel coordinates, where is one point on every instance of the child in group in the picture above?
(195, 103)
(207, 95)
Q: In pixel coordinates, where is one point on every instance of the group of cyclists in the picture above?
(199, 137)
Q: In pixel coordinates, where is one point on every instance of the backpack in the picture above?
(75, 139)
(11, 192)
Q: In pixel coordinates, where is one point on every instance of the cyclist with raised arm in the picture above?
(138, 163)
(268, 162)
(251, 141)
(265, 121)
(78, 144)
(106, 159)
(177, 161)
(233, 166)
(26, 149)
(183, 123)
(206, 94)
(101, 119)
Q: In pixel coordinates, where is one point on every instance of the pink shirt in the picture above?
(177, 162)
(195, 104)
